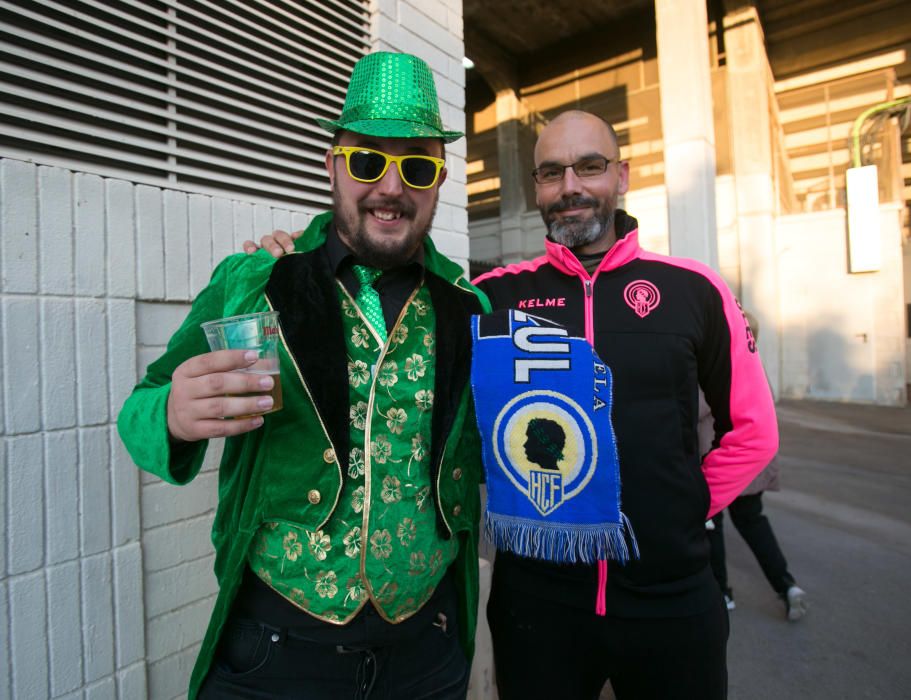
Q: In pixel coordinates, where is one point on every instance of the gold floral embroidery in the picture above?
(352, 542)
(423, 399)
(326, 584)
(358, 373)
(357, 592)
(392, 490)
(395, 420)
(356, 463)
(357, 499)
(319, 544)
(381, 449)
(381, 544)
(418, 564)
(360, 337)
(293, 548)
(357, 414)
(400, 334)
(415, 367)
(387, 376)
(407, 531)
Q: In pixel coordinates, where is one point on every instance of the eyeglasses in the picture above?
(587, 167)
(368, 165)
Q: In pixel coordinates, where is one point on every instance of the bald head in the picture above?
(578, 209)
(577, 118)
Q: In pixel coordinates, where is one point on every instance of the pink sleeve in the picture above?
(749, 432)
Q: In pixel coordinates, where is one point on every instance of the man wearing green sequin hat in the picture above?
(346, 526)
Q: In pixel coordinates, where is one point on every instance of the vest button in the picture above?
(314, 496)
(328, 455)
(456, 473)
(456, 509)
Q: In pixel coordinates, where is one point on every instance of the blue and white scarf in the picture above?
(543, 404)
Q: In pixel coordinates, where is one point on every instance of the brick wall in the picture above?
(105, 574)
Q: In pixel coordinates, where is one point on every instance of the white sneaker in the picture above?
(796, 603)
(709, 524)
(729, 601)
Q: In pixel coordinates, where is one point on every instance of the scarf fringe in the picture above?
(562, 543)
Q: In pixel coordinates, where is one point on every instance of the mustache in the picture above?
(397, 205)
(576, 202)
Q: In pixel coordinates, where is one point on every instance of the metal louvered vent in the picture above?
(215, 96)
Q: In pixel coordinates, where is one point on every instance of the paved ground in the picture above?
(843, 519)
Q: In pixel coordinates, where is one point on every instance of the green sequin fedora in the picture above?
(391, 95)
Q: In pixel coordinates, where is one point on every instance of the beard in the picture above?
(379, 251)
(573, 232)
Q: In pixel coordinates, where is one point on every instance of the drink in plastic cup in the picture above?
(257, 332)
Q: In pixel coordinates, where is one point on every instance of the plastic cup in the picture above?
(257, 332)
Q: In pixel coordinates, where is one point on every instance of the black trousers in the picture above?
(747, 516)
(419, 659)
(544, 650)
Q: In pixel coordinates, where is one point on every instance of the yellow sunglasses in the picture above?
(368, 165)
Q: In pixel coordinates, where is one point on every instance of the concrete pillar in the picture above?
(512, 196)
(749, 115)
(687, 123)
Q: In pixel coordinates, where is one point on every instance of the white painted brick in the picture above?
(200, 215)
(460, 219)
(2, 367)
(451, 92)
(19, 223)
(150, 243)
(97, 617)
(58, 362)
(103, 690)
(95, 489)
(55, 230)
(243, 224)
(5, 691)
(432, 29)
(300, 220)
(164, 503)
(131, 682)
(25, 500)
(456, 24)
(145, 356)
(156, 322)
(3, 532)
(180, 585)
(171, 676)
(120, 231)
(28, 653)
(262, 223)
(390, 8)
(89, 236)
(457, 171)
(78, 695)
(92, 361)
(122, 351)
(176, 246)
(281, 220)
(178, 629)
(169, 545)
(457, 149)
(64, 628)
(222, 230)
(20, 364)
(62, 488)
(125, 519)
(129, 611)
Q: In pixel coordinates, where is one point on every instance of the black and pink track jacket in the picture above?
(666, 327)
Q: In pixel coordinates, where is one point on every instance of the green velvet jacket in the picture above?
(292, 469)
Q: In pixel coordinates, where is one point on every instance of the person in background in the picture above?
(347, 522)
(755, 528)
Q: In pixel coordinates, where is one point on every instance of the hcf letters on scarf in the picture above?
(543, 403)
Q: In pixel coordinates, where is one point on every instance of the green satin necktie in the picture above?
(368, 299)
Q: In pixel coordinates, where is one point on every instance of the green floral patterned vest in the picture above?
(381, 543)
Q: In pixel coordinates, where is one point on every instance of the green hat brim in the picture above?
(391, 129)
